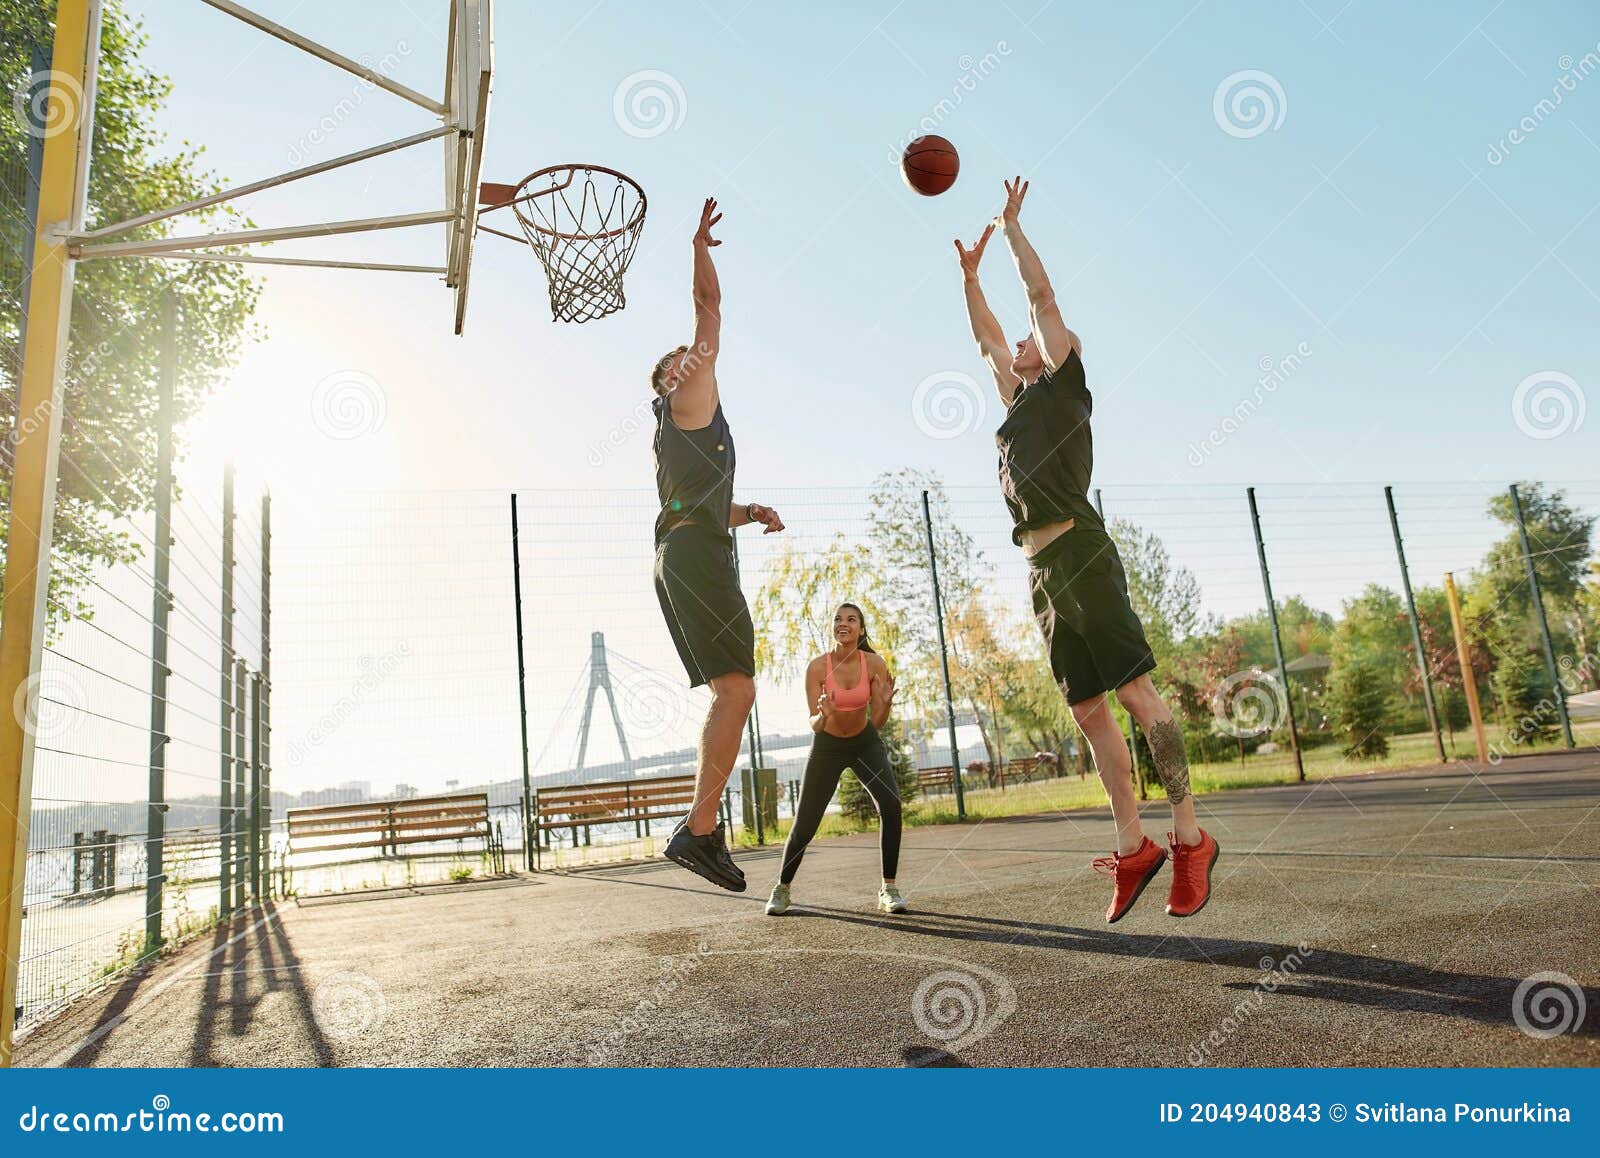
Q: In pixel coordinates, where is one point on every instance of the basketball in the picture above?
(930, 165)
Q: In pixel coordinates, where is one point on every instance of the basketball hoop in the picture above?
(584, 229)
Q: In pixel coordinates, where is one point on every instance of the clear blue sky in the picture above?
(1369, 225)
(1368, 233)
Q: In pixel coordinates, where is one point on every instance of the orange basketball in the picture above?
(930, 165)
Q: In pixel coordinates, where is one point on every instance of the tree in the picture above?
(1360, 703)
(111, 373)
(1164, 596)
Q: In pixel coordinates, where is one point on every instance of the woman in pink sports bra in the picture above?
(850, 690)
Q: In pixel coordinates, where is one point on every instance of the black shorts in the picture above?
(698, 587)
(1080, 598)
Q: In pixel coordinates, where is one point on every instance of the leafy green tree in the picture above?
(1523, 692)
(111, 374)
(1360, 703)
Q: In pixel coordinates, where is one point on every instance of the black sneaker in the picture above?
(706, 856)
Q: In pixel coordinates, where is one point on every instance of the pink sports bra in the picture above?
(851, 699)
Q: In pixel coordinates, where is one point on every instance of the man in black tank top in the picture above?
(695, 579)
(1079, 589)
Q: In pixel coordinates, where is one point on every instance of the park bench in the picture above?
(582, 806)
(389, 825)
(935, 780)
(1025, 768)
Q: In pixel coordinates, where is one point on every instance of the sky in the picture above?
(1308, 247)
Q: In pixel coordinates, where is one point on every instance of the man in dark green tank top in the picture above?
(1094, 639)
(695, 578)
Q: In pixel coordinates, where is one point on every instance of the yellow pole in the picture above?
(1469, 682)
(67, 122)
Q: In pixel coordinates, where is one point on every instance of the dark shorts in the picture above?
(698, 587)
(1080, 598)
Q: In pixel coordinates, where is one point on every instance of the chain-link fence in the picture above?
(429, 665)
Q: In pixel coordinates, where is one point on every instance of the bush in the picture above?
(1526, 704)
(1360, 703)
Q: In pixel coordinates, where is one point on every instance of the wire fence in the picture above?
(149, 712)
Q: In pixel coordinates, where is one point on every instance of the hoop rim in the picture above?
(571, 168)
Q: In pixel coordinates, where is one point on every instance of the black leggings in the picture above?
(865, 755)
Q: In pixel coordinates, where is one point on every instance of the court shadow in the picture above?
(1324, 974)
(252, 966)
(925, 1057)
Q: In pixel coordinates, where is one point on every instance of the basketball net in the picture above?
(584, 222)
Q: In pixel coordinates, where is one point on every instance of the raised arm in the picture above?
(695, 400)
(986, 329)
(1050, 332)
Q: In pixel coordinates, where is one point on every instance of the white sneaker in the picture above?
(889, 900)
(778, 902)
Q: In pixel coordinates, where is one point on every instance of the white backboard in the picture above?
(469, 68)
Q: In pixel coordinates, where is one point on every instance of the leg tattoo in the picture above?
(1166, 747)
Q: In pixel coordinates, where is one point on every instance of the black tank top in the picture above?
(694, 472)
(1047, 452)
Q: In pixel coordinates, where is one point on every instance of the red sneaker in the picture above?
(1131, 873)
(1191, 875)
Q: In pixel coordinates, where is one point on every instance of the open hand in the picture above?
(708, 217)
(1015, 192)
(883, 688)
(766, 516)
(971, 257)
